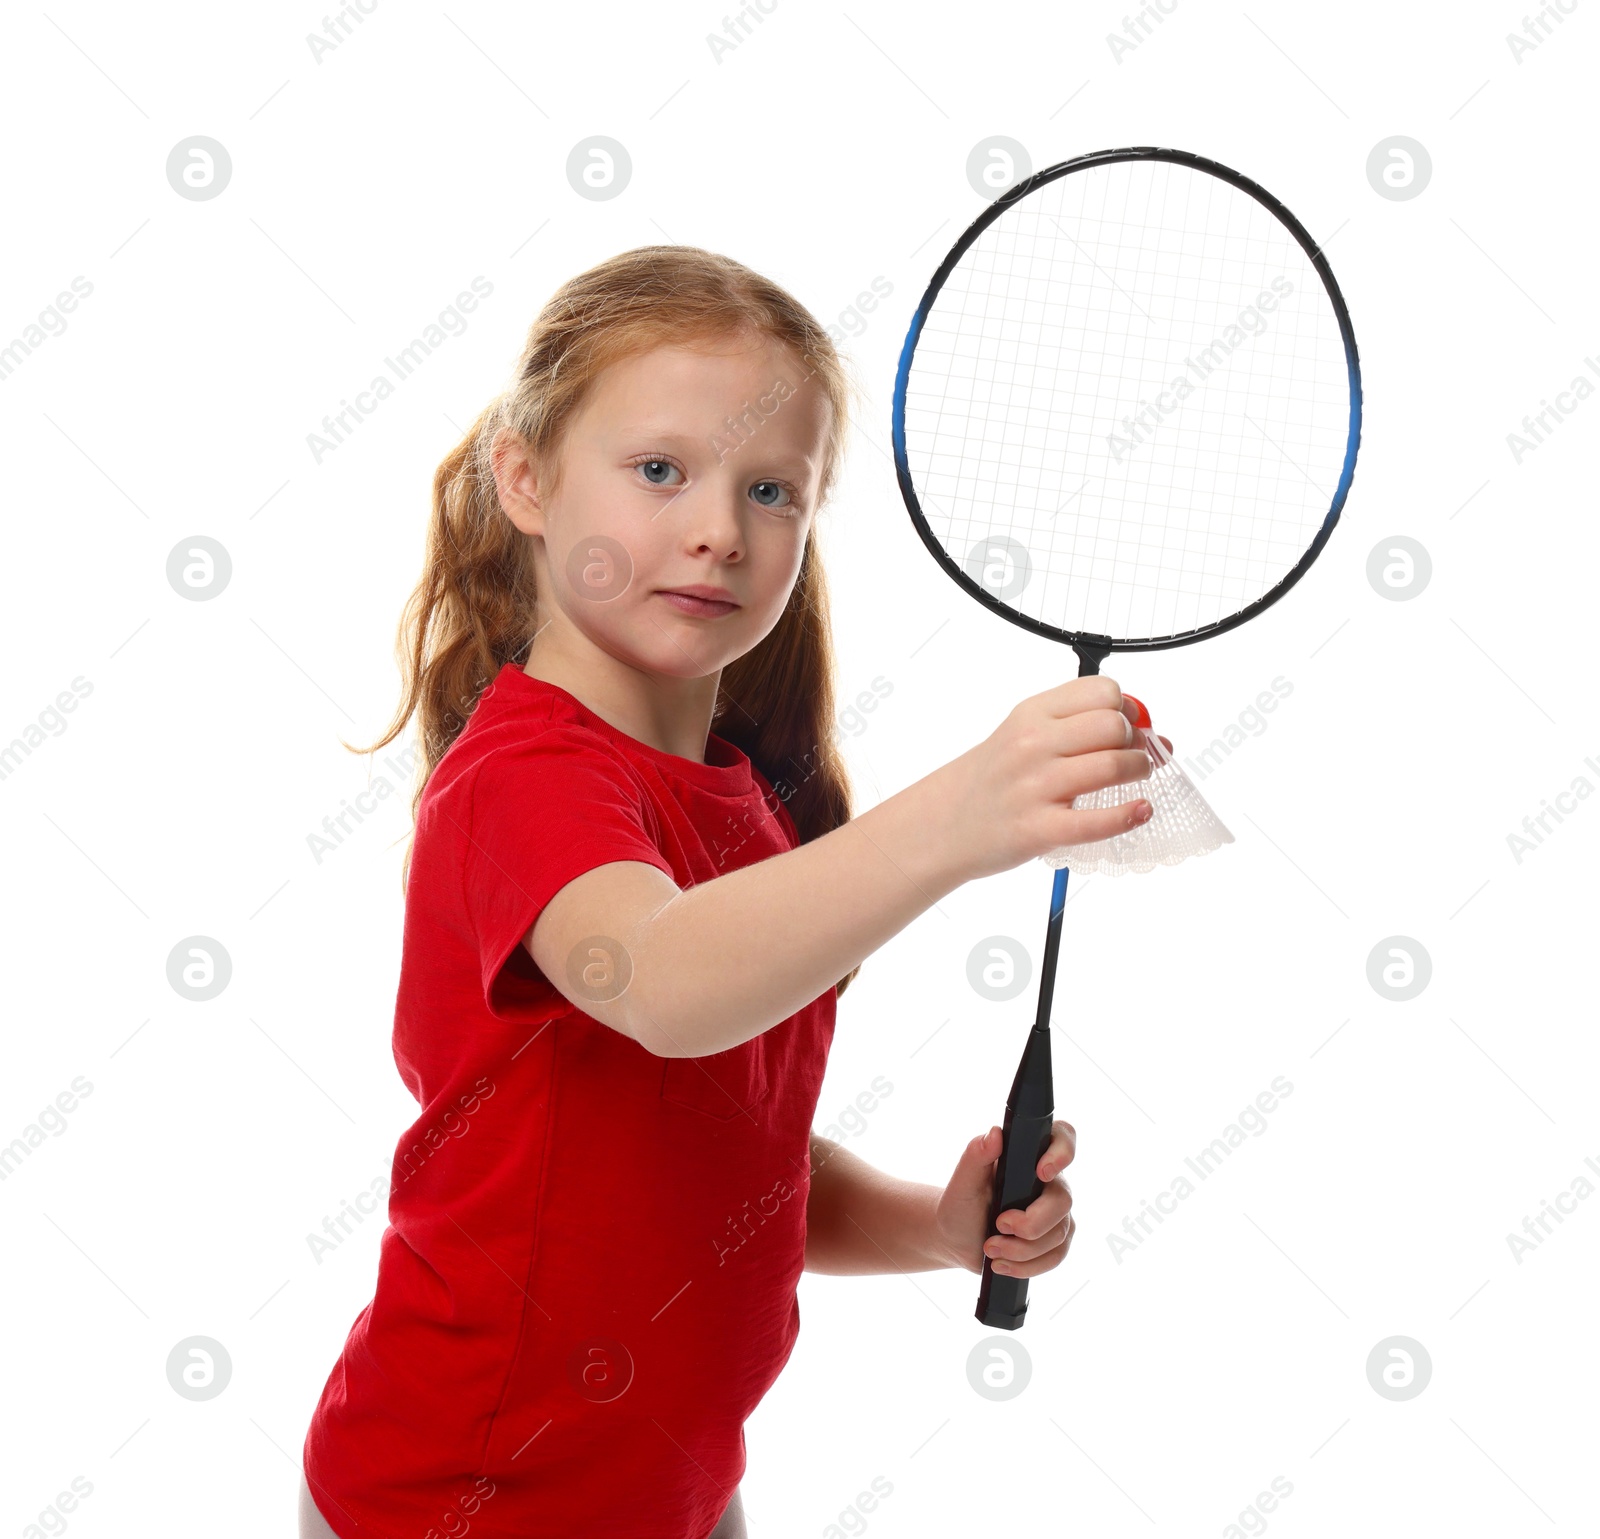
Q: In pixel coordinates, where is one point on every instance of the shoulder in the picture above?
(529, 760)
(548, 755)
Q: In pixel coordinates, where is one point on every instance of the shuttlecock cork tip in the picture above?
(1142, 718)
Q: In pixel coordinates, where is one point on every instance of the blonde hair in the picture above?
(473, 609)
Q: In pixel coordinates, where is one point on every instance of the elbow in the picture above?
(664, 1016)
(667, 1031)
(654, 1025)
(631, 1002)
(675, 1016)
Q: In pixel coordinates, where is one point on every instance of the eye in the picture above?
(782, 497)
(655, 470)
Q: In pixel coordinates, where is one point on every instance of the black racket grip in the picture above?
(1030, 1117)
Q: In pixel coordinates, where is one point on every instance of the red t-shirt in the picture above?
(588, 1278)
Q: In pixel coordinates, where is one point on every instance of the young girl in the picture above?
(625, 934)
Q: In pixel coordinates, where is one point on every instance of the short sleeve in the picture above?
(539, 814)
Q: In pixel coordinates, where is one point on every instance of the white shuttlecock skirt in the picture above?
(1181, 823)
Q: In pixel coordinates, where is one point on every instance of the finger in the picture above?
(1109, 767)
(974, 1170)
(1010, 1247)
(1090, 730)
(1093, 693)
(1086, 825)
(1055, 1243)
(1034, 1265)
(1063, 1148)
(1043, 1214)
(1065, 824)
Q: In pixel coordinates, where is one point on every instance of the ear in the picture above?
(516, 480)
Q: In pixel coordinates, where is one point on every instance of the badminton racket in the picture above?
(1125, 418)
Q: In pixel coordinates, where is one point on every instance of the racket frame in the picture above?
(1087, 644)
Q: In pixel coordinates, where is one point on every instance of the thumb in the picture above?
(974, 1173)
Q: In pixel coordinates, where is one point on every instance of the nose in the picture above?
(713, 520)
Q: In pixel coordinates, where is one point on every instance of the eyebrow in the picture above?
(650, 430)
(668, 436)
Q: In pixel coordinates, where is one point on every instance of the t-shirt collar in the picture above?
(726, 771)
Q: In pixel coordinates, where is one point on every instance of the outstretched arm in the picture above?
(702, 969)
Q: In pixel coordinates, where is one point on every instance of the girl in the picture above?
(625, 934)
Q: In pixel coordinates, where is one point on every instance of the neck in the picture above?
(667, 713)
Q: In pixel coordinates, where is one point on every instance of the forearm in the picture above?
(723, 960)
(860, 1219)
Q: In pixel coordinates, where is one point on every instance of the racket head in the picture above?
(963, 457)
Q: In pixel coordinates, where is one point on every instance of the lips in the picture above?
(702, 608)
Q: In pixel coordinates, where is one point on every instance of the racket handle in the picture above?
(1030, 1119)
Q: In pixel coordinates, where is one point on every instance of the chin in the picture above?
(666, 660)
(692, 667)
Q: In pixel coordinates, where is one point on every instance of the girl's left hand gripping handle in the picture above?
(1030, 1114)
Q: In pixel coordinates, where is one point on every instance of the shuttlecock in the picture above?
(1181, 823)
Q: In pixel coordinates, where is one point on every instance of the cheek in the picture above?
(788, 550)
(776, 560)
(598, 569)
(610, 553)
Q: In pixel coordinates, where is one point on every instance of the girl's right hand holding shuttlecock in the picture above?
(1012, 794)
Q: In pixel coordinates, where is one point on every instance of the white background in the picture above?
(829, 148)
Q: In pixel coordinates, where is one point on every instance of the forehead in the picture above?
(691, 391)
